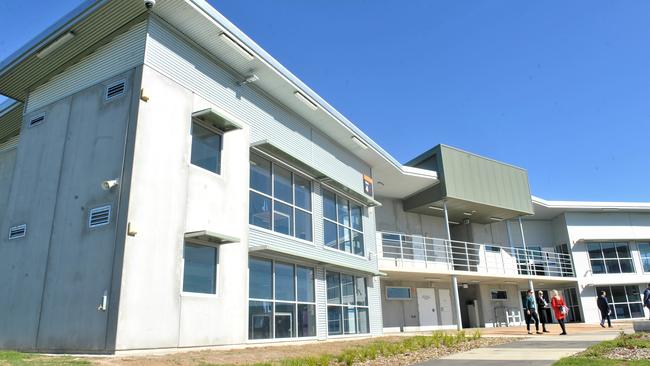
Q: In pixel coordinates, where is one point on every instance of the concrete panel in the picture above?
(80, 259)
(7, 163)
(31, 201)
(391, 217)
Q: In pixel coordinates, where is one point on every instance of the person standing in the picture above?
(542, 308)
(603, 306)
(559, 309)
(646, 298)
(531, 312)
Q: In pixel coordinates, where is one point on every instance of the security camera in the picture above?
(149, 3)
(107, 185)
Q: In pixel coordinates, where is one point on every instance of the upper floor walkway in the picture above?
(415, 253)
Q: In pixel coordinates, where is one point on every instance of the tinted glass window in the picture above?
(206, 148)
(260, 174)
(282, 184)
(260, 278)
(284, 282)
(303, 192)
(329, 205)
(305, 279)
(200, 269)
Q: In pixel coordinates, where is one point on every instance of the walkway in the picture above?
(539, 350)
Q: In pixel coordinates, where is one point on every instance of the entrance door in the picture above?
(446, 315)
(427, 307)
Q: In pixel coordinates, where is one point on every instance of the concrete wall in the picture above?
(405, 313)
(168, 198)
(391, 217)
(59, 272)
(7, 163)
(489, 305)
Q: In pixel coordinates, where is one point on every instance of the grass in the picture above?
(377, 349)
(595, 355)
(25, 359)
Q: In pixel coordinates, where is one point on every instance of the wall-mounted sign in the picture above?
(367, 185)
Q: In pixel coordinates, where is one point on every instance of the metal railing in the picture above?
(473, 257)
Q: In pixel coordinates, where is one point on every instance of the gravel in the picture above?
(621, 353)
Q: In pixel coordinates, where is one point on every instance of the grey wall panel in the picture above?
(321, 303)
(80, 258)
(31, 201)
(173, 57)
(7, 163)
(125, 52)
(374, 301)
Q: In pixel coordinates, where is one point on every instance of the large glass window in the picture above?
(342, 224)
(610, 257)
(280, 200)
(347, 304)
(644, 250)
(199, 269)
(206, 148)
(281, 300)
(624, 301)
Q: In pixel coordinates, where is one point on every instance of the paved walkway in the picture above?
(539, 350)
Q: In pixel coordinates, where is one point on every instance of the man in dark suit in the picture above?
(603, 306)
(646, 298)
(542, 309)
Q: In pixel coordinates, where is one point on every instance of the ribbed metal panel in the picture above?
(374, 302)
(172, 56)
(9, 144)
(91, 30)
(10, 122)
(125, 52)
(321, 303)
(317, 202)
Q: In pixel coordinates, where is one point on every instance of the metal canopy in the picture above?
(213, 118)
(211, 237)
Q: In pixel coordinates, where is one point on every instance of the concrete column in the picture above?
(444, 205)
(510, 243)
(530, 286)
(523, 237)
(454, 287)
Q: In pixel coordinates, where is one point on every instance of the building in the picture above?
(166, 183)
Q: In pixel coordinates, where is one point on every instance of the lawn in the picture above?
(25, 359)
(614, 352)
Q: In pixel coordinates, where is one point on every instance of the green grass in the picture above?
(379, 348)
(25, 359)
(594, 355)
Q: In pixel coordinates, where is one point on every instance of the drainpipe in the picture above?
(454, 286)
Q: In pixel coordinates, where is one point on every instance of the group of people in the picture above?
(536, 309)
(533, 303)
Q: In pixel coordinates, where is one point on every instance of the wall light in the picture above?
(236, 46)
(436, 208)
(496, 219)
(306, 100)
(56, 44)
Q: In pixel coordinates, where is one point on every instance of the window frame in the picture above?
(613, 304)
(644, 256)
(216, 269)
(388, 298)
(604, 259)
(339, 224)
(294, 207)
(343, 307)
(214, 130)
(295, 303)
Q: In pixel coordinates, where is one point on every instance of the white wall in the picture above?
(392, 217)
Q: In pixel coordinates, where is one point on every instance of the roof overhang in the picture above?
(546, 209)
(207, 236)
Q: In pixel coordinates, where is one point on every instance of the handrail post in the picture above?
(401, 247)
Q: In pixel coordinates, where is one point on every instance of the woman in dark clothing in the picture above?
(542, 306)
(531, 313)
(603, 306)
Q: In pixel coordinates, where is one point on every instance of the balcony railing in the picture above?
(442, 254)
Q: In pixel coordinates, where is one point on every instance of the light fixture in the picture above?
(56, 44)
(359, 142)
(249, 79)
(511, 282)
(236, 46)
(432, 278)
(436, 208)
(306, 100)
(475, 281)
(453, 222)
(496, 219)
(467, 213)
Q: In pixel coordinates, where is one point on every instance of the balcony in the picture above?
(418, 253)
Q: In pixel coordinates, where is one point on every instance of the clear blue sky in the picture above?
(561, 88)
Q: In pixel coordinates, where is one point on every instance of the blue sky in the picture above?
(559, 88)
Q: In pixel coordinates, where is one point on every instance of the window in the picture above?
(347, 304)
(280, 200)
(206, 147)
(342, 224)
(624, 301)
(644, 250)
(498, 294)
(281, 300)
(398, 293)
(200, 269)
(610, 258)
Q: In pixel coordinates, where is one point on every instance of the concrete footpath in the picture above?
(539, 350)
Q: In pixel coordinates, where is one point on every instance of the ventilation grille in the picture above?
(16, 232)
(115, 90)
(99, 216)
(37, 120)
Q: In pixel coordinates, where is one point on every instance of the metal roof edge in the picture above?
(8, 106)
(263, 55)
(591, 204)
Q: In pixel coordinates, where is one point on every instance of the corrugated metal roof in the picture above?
(11, 117)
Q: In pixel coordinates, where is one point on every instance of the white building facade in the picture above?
(165, 183)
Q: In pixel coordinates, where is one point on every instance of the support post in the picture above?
(510, 243)
(523, 237)
(454, 287)
(530, 286)
(529, 268)
(444, 205)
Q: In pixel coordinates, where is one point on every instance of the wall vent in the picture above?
(16, 232)
(115, 90)
(37, 120)
(99, 216)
